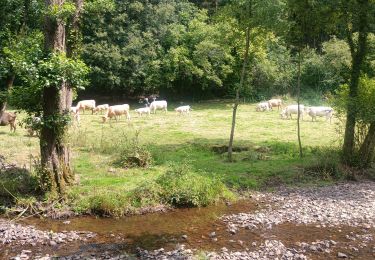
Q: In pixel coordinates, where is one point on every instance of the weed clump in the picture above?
(137, 156)
(182, 187)
(326, 166)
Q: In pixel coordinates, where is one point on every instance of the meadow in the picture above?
(184, 155)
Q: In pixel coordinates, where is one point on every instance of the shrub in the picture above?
(136, 156)
(183, 187)
(326, 166)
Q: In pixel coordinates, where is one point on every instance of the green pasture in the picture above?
(267, 156)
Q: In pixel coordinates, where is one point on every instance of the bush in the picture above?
(136, 156)
(181, 187)
(326, 167)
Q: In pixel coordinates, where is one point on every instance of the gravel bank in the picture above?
(351, 204)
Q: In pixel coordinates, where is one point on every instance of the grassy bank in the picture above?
(185, 157)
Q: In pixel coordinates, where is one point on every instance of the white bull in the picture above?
(292, 109)
(101, 108)
(86, 104)
(183, 109)
(314, 112)
(262, 106)
(117, 111)
(143, 110)
(158, 105)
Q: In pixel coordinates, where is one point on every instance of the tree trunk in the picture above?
(358, 56)
(298, 103)
(55, 155)
(366, 152)
(237, 101)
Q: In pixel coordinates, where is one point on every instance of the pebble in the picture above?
(341, 255)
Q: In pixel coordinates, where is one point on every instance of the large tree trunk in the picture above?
(298, 104)
(366, 152)
(55, 155)
(237, 101)
(358, 56)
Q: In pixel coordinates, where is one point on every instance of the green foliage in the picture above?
(363, 103)
(48, 72)
(182, 187)
(61, 12)
(57, 69)
(133, 154)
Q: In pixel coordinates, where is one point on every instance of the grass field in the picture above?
(269, 156)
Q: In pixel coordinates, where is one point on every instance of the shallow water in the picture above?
(166, 230)
(155, 230)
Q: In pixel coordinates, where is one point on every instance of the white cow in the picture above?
(183, 109)
(276, 102)
(143, 110)
(86, 104)
(73, 110)
(75, 113)
(327, 112)
(262, 106)
(158, 104)
(101, 108)
(117, 111)
(292, 109)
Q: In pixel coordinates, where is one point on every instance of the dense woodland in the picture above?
(189, 50)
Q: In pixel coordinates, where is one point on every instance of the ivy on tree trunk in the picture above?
(55, 154)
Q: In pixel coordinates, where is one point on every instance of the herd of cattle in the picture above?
(115, 112)
(288, 111)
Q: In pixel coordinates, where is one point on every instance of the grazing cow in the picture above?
(183, 109)
(276, 102)
(262, 106)
(75, 113)
(101, 108)
(143, 110)
(327, 112)
(292, 109)
(158, 104)
(117, 111)
(86, 104)
(73, 110)
(33, 126)
(8, 118)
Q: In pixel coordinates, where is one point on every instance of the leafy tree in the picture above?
(251, 16)
(19, 20)
(358, 17)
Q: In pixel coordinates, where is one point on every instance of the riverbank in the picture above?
(290, 223)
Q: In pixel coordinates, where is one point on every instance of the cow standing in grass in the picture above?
(86, 104)
(117, 111)
(276, 102)
(158, 105)
(8, 118)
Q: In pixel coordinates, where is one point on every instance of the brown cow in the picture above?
(8, 118)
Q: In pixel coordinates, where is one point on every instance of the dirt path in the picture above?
(310, 223)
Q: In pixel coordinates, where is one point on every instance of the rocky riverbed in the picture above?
(292, 223)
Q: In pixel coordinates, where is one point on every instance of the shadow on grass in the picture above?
(16, 182)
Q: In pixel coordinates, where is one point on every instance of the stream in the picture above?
(304, 224)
